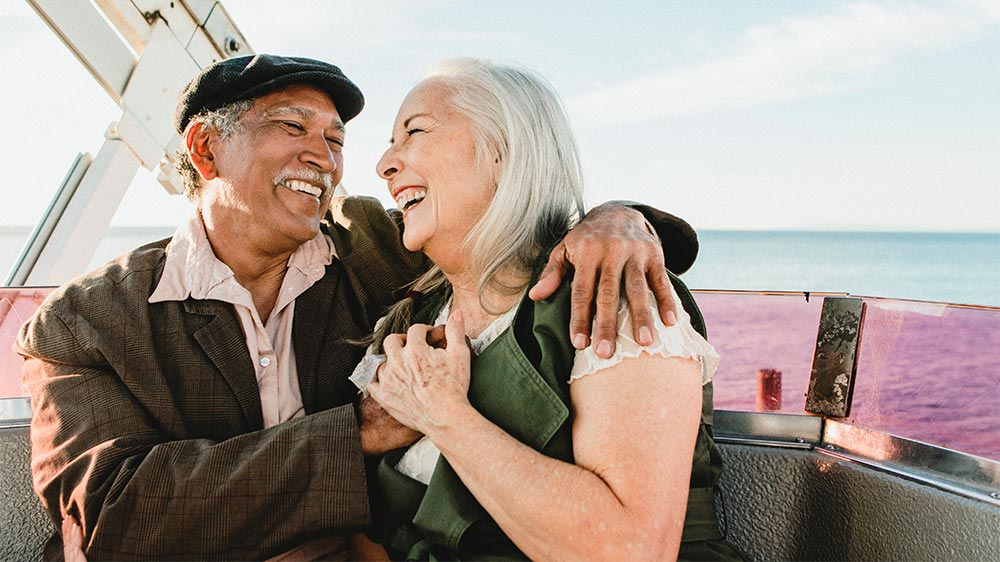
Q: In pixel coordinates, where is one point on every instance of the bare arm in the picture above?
(633, 437)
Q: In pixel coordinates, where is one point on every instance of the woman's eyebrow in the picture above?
(406, 123)
(412, 117)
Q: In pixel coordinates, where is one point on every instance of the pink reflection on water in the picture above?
(931, 372)
(926, 371)
(753, 331)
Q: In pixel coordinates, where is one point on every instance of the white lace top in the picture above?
(679, 340)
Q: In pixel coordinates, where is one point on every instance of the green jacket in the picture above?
(520, 384)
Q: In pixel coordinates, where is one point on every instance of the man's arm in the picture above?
(616, 241)
(113, 459)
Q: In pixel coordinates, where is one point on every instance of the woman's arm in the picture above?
(633, 438)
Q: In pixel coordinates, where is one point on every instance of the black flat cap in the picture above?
(241, 78)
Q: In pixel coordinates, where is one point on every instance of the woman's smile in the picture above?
(434, 175)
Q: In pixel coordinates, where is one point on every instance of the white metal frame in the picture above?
(142, 52)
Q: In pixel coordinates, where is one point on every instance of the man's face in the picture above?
(276, 175)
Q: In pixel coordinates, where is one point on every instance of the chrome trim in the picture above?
(953, 471)
(769, 429)
(15, 412)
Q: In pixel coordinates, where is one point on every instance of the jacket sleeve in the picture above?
(369, 242)
(109, 457)
(679, 239)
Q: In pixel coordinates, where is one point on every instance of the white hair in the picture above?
(518, 123)
(227, 120)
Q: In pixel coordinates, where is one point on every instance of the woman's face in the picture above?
(431, 171)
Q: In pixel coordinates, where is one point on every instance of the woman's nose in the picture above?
(387, 166)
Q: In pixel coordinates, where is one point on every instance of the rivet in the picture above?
(799, 440)
(995, 495)
(831, 448)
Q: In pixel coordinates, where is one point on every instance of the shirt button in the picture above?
(265, 361)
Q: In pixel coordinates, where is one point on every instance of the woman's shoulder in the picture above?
(681, 340)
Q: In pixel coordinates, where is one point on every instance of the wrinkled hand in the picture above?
(72, 537)
(380, 432)
(422, 386)
(611, 241)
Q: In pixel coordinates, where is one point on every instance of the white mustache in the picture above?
(305, 174)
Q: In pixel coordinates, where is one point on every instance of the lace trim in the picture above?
(679, 340)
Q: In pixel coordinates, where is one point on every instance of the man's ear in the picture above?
(199, 141)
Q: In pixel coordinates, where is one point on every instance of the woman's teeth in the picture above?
(304, 187)
(410, 198)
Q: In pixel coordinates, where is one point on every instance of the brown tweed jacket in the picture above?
(147, 420)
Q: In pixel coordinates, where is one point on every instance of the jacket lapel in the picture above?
(508, 390)
(313, 310)
(223, 342)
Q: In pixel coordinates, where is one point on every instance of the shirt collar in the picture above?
(193, 270)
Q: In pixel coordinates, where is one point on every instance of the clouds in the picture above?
(795, 57)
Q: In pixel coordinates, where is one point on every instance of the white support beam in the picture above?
(86, 217)
(94, 41)
(142, 52)
(148, 122)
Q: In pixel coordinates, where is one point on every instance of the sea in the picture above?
(962, 268)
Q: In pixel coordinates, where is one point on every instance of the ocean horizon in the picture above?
(954, 267)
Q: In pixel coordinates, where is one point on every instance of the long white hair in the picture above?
(519, 123)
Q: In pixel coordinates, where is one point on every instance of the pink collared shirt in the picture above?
(193, 270)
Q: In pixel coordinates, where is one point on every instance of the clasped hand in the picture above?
(422, 385)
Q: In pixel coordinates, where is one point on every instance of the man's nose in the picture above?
(317, 154)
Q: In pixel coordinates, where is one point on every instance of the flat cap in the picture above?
(241, 78)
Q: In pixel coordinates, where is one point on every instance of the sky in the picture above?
(732, 114)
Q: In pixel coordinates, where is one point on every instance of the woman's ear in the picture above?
(198, 141)
(497, 166)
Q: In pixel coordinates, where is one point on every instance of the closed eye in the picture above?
(414, 131)
(293, 125)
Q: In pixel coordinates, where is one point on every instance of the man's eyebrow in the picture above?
(300, 111)
(304, 113)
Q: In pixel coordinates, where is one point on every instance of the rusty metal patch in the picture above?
(835, 362)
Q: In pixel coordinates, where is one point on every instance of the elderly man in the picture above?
(191, 398)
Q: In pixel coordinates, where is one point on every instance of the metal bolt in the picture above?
(831, 448)
(232, 45)
(799, 440)
(995, 495)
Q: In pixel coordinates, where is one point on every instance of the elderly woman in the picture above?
(530, 448)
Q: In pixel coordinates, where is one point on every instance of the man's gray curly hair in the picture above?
(227, 120)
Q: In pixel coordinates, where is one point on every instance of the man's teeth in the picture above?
(410, 198)
(304, 187)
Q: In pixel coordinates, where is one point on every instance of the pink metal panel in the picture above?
(16, 306)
